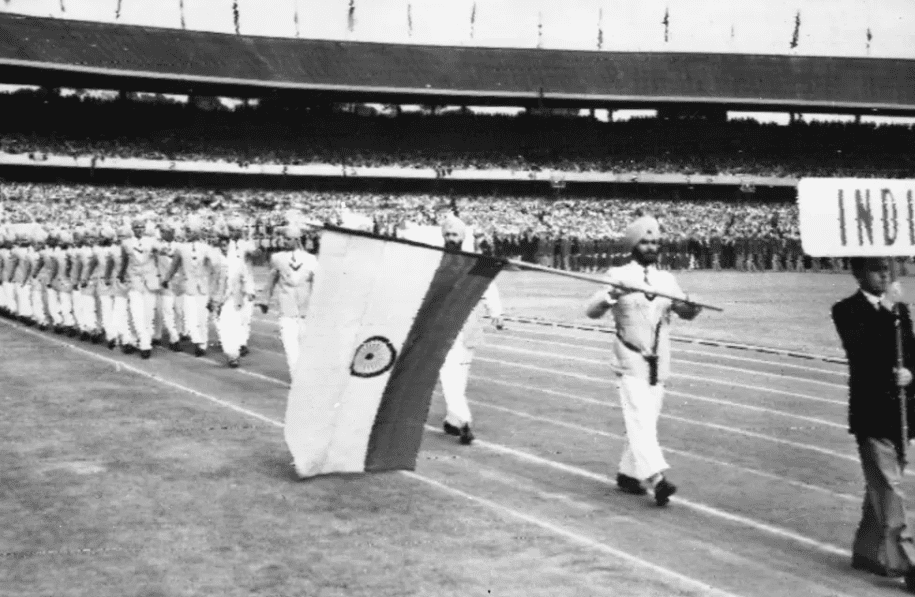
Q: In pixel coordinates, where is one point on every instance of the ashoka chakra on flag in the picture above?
(373, 357)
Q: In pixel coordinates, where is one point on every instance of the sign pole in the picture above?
(900, 364)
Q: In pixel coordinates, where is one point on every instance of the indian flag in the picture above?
(382, 317)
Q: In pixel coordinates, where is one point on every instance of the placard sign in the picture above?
(851, 217)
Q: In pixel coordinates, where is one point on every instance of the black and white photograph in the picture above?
(431, 298)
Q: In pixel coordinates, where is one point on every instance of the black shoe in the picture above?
(243, 351)
(112, 344)
(175, 346)
(662, 492)
(128, 349)
(157, 342)
(73, 332)
(43, 327)
(84, 336)
(859, 562)
(466, 435)
(199, 351)
(97, 338)
(910, 581)
(629, 484)
(451, 429)
(145, 354)
(184, 338)
(233, 363)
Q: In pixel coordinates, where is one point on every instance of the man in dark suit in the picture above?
(866, 323)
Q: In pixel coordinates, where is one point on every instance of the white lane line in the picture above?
(685, 581)
(518, 454)
(677, 350)
(610, 365)
(715, 426)
(121, 365)
(705, 509)
(760, 409)
(672, 417)
(725, 344)
(536, 521)
(842, 496)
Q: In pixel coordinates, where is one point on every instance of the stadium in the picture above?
(169, 475)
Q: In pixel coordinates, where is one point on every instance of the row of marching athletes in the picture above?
(131, 285)
(134, 285)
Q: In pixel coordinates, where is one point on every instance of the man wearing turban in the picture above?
(456, 369)
(642, 349)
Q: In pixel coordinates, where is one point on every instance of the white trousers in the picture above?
(89, 310)
(106, 311)
(122, 324)
(247, 311)
(292, 330)
(141, 305)
(197, 319)
(39, 305)
(229, 328)
(166, 317)
(7, 296)
(24, 300)
(641, 405)
(73, 310)
(54, 307)
(453, 376)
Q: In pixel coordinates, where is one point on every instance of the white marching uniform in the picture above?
(293, 273)
(22, 271)
(60, 298)
(193, 262)
(168, 295)
(82, 304)
(120, 309)
(243, 250)
(38, 285)
(100, 282)
(142, 280)
(233, 288)
(642, 349)
(7, 295)
(455, 370)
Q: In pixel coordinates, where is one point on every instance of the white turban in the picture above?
(453, 223)
(645, 227)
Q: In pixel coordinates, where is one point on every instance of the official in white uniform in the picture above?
(642, 348)
(41, 272)
(233, 289)
(292, 275)
(167, 320)
(242, 249)
(126, 335)
(194, 264)
(455, 370)
(141, 275)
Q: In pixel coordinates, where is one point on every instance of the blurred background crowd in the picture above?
(271, 132)
(578, 233)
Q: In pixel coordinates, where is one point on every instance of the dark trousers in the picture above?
(883, 538)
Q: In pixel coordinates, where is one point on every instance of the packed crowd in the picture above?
(273, 134)
(571, 233)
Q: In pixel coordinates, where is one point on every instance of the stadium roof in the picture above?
(66, 53)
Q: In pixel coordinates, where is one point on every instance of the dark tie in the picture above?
(650, 297)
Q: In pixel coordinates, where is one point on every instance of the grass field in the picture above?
(170, 476)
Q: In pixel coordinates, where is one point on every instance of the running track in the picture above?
(769, 481)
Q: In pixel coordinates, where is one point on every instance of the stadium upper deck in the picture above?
(45, 51)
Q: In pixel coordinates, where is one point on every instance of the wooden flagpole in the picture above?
(605, 282)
